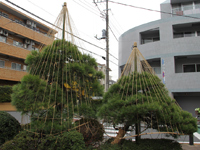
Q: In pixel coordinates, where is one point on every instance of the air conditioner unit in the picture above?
(28, 22)
(34, 25)
(27, 41)
(17, 43)
(25, 46)
(24, 67)
(5, 33)
(1, 31)
(179, 13)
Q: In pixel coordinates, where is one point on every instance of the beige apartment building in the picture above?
(19, 35)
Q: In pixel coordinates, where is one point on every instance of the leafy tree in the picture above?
(142, 97)
(60, 84)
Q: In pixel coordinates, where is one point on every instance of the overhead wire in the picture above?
(59, 28)
(54, 25)
(153, 10)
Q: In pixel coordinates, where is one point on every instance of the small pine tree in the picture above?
(60, 84)
(135, 98)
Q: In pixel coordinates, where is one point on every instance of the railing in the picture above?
(23, 24)
(9, 68)
(11, 43)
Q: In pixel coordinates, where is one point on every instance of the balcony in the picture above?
(11, 50)
(7, 107)
(12, 75)
(25, 31)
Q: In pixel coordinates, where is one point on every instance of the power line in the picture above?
(41, 8)
(103, 57)
(54, 25)
(58, 27)
(153, 10)
(85, 8)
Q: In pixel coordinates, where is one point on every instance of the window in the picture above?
(186, 30)
(2, 39)
(188, 6)
(157, 70)
(16, 66)
(198, 67)
(191, 68)
(198, 33)
(149, 36)
(2, 64)
(16, 43)
(197, 5)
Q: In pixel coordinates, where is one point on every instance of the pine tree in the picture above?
(141, 97)
(59, 86)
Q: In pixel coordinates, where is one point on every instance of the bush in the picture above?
(25, 140)
(9, 127)
(5, 94)
(72, 140)
(144, 144)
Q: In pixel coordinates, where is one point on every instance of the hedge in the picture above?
(5, 93)
(144, 144)
(9, 127)
(72, 140)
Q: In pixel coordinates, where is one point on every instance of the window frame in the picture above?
(195, 64)
(3, 64)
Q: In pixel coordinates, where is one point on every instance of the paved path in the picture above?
(190, 147)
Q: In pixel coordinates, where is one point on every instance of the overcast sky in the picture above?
(89, 22)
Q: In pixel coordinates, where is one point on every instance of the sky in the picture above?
(89, 22)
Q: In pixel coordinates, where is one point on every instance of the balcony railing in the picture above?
(12, 75)
(23, 24)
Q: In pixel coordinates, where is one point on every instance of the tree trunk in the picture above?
(137, 132)
(120, 135)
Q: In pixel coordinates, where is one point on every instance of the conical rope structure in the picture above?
(139, 104)
(57, 93)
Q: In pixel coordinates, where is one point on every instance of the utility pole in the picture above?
(107, 47)
(107, 43)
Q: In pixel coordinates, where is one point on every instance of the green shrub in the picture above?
(9, 127)
(72, 140)
(5, 94)
(144, 144)
(25, 140)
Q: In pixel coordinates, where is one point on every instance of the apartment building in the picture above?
(19, 35)
(171, 46)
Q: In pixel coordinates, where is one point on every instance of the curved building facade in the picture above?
(171, 45)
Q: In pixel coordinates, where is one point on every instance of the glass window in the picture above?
(198, 33)
(178, 35)
(16, 66)
(189, 34)
(2, 39)
(2, 64)
(188, 6)
(189, 68)
(157, 70)
(198, 67)
(13, 66)
(197, 5)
